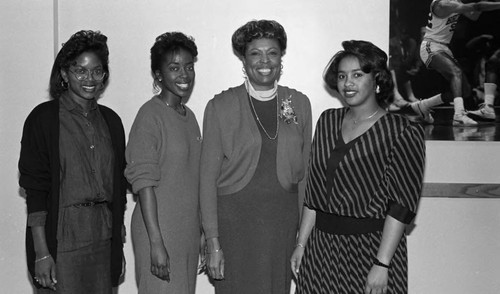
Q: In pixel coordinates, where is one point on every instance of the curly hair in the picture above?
(170, 42)
(258, 29)
(80, 42)
(372, 60)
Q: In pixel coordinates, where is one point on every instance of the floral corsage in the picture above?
(286, 111)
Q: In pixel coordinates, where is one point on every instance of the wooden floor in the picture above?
(442, 129)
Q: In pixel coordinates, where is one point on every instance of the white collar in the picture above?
(261, 95)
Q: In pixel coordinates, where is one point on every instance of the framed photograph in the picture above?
(446, 66)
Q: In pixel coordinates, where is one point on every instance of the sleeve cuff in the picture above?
(211, 233)
(143, 183)
(37, 218)
(400, 212)
(36, 200)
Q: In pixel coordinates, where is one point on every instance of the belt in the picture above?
(344, 225)
(89, 204)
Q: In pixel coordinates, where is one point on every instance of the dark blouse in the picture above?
(381, 174)
(86, 154)
(86, 160)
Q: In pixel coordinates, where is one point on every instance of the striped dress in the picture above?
(378, 173)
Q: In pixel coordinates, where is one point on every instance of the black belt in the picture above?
(89, 204)
(344, 225)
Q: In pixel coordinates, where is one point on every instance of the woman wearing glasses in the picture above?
(71, 167)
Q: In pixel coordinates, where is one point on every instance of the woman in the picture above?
(365, 179)
(255, 150)
(71, 166)
(163, 155)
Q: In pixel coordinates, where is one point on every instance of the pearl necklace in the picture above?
(367, 118)
(258, 120)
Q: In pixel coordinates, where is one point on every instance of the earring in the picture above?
(281, 71)
(377, 90)
(244, 72)
(64, 84)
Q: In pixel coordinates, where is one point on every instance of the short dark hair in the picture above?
(258, 29)
(372, 60)
(170, 42)
(80, 42)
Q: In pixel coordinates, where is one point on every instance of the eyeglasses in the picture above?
(83, 73)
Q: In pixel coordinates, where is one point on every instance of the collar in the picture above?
(261, 95)
(71, 105)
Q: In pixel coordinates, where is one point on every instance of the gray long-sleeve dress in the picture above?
(163, 152)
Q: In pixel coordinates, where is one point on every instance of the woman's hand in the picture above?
(378, 277)
(215, 259)
(45, 272)
(215, 265)
(296, 260)
(45, 266)
(306, 225)
(160, 261)
(376, 282)
(203, 257)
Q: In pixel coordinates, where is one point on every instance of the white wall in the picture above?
(315, 30)
(454, 246)
(26, 56)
